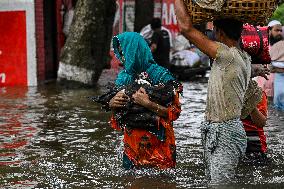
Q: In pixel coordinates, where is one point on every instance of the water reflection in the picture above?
(55, 137)
(16, 134)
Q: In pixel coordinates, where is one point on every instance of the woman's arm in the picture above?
(142, 98)
(200, 40)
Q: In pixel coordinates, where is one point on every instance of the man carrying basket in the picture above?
(223, 135)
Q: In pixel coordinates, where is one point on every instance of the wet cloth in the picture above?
(181, 43)
(228, 81)
(185, 58)
(134, 115)
(278, 98)
(278, 64)
(211, 4)
(224, 144)
(256, 139)
(141, 147)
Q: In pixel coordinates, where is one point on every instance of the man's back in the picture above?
(227, 84)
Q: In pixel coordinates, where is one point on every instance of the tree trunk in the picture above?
(86, 51)
(144, 12)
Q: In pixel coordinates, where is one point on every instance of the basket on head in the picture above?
(248, 11)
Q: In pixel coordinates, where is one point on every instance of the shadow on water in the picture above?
(55, 137)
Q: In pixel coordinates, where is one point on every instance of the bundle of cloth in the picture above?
(134, 115)
(187, 55)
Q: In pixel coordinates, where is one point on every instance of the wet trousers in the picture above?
(224, 144)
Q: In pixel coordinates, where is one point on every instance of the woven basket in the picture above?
(248, 11)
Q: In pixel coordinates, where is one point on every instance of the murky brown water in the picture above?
(55, 137)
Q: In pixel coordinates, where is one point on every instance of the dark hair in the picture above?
(156, 23)
(231, 27)
(74, 2)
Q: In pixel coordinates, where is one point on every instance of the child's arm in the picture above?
(258, 118)
(259, 114)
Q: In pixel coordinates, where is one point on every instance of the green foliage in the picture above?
(279, 14)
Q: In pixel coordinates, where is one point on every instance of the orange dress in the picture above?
(144, 148)
(255, 135)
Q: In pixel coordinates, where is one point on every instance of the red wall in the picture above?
(13, 48)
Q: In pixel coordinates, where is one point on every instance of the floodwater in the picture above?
(55, 137)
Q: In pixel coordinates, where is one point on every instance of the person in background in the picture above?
(183, 54)
(223, 134)
(68, 14)
(147, 33)
(275, 32)
(277, 57)
(144, 148)
(187, 55)
(160, 44)
(275, 35)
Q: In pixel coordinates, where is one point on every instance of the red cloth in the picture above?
(250, 127)
(144, 148)
(255, 41)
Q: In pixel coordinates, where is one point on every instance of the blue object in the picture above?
(278, 98)
(137, 58)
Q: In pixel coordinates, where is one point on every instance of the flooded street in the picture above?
(55, 137)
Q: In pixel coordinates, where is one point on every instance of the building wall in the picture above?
(18, 55)
(27, 65)
(164, 9)
(40, 54)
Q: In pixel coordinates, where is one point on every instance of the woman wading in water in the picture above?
(144, 146)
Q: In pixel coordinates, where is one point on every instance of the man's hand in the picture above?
(197, 38)
(119, 100)
(260, 70)
(183, 18)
